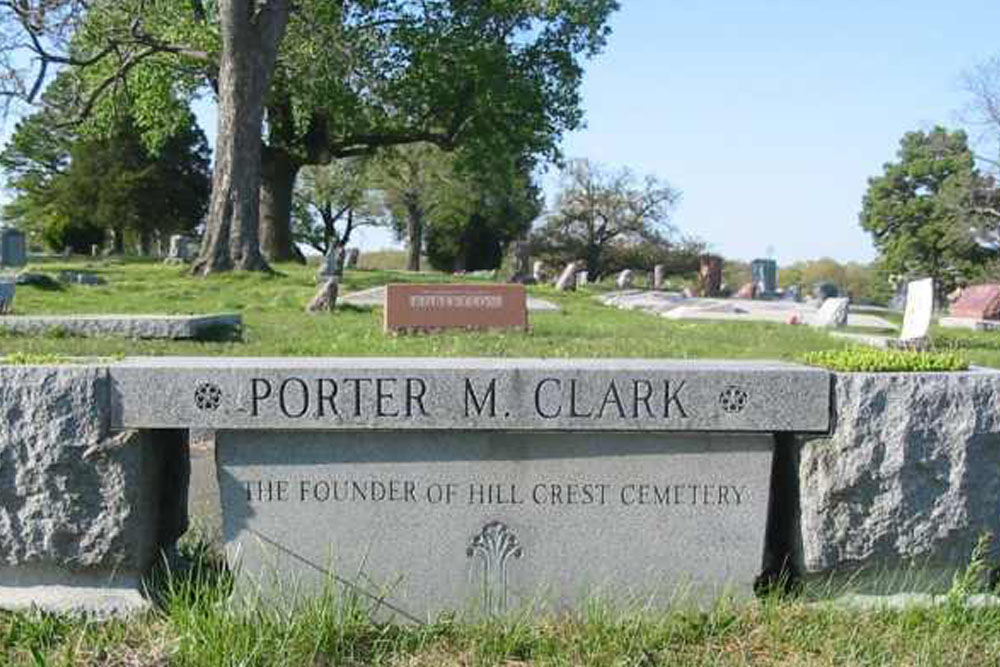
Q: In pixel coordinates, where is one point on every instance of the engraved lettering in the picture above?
(479, 405)
(260, 389)
(612, 391)
(415, 390)
(572, 402)
(382, 396)
(672, 398)
(304, 398)
(538, 398)
(326, 392)
(643, 398)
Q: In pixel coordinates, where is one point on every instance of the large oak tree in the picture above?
(319, 79)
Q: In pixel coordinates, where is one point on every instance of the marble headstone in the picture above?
(567, 279)
(625, 279)
(919, 309)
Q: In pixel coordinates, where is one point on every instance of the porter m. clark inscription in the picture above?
(381, 397)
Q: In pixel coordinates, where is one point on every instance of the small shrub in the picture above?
(873, 360)
(31, 359)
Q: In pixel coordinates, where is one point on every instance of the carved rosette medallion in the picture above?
(494, 545)
(207, 396)
(733, 399)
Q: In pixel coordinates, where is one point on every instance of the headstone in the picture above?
(7, 287)
(487, 486)
(659, 275)
(582, 278)
(979, 302)
(919, 309)
(183, 248)
(710, 275)
(625, 279)
(351, 259)
(748, 291)
(538, 271)
(521, 255)
(411, 307)
(567, 280)
(325, 299)
(331, 263)
(825, 290)
(833, 313)
(792, 293)
(765, 276)
(13, 248)
(67, 252)
(95, 250)
(80, 278)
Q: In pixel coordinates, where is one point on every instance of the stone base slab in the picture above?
(969, 323)
(175, 327)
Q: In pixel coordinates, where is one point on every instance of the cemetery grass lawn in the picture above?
(196, 627)
(276, 324)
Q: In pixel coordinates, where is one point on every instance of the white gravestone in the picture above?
(625, 279)
(567, 280)
(919, 308)
(538, 271)
(582, 279)
(833, 312)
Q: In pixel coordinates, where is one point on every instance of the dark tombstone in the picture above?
(764, 273)
(710, 275)
(13, 248)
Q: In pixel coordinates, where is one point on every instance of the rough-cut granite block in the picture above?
(908, 479)
(83, 511)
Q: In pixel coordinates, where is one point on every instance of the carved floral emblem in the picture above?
(494, 545)
(207, 396)
(733, 399)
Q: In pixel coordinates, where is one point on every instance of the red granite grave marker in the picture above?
(420, 307)
(980, 302)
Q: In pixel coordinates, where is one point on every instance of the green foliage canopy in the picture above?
(910, 214)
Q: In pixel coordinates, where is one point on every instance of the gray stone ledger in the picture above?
(906, 482)
(177, 327)
(84, 511)
(490, 523)
(473, 394)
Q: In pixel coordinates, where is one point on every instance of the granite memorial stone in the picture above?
(978, 302)
(538, 271)
(450, 306)
(919, 310)
(13, 248)
(487, 485)
(659, 275)
(625, 279)
(582, 278)
(567, 279)
(710, 276)
(833, 313)
(765, 276)
(8, 286)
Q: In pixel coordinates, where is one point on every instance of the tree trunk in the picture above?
(278, 173)
(414, 235)
(250, 39)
